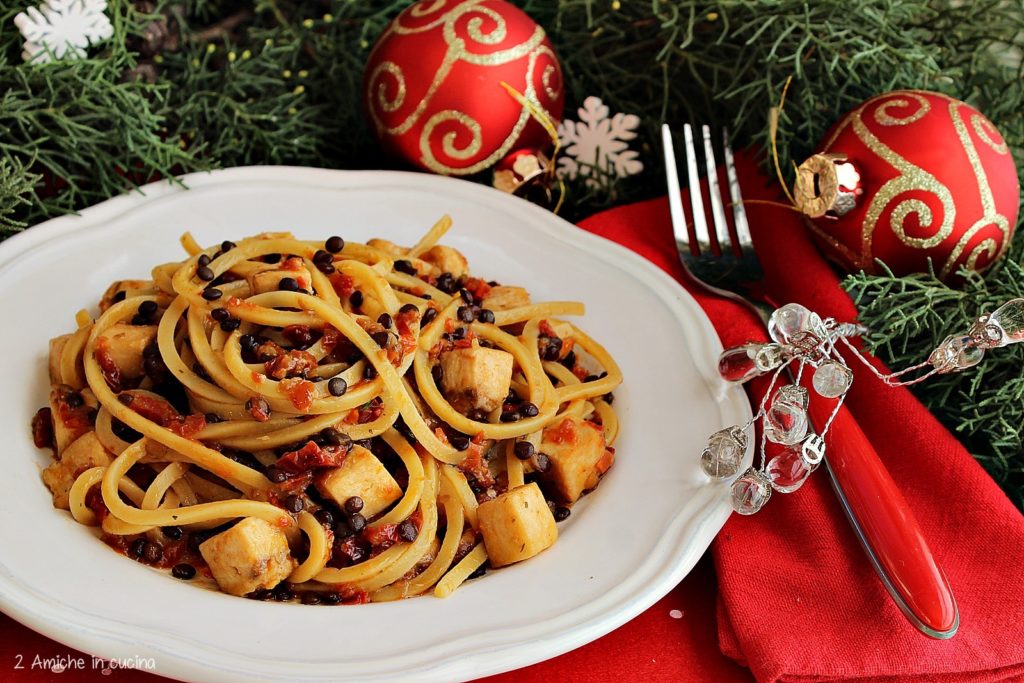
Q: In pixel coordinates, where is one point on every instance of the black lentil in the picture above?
(404, 266)
(541, 462)
(148, 309)
(332, 437)
(136, 548)
(337, 386)
(230, 325)
(407, 531)
(248, 343)
(152, 552)
(524, 450)
(446, 283)
(325, 517)
(183, 571)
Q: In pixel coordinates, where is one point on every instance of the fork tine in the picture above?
(700, 223)
(717, 208)
(739, 213)
(675, 198)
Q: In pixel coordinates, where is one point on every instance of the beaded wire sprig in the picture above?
(801, 337)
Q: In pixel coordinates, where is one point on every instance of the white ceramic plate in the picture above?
(623, 548)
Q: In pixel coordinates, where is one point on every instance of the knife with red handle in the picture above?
(886, 525)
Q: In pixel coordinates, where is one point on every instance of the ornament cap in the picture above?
(826, 185)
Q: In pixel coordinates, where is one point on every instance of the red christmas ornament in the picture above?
(432, 86)
(910, 176)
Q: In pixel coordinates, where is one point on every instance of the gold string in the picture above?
(541, 116)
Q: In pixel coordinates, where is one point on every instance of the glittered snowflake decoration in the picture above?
(63, 28)
(597, 146)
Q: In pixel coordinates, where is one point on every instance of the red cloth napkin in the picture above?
(798, 599)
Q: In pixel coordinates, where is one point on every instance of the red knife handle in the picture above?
(887, 525)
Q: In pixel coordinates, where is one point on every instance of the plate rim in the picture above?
(674, 555)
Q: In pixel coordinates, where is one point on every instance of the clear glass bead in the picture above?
(750, 492)
(832, 379)
(1002, 327)
(786, 419)
(790, 320)
(737, 364)
(724, 453)
(787, 470)
(956, 353)
(768, 357)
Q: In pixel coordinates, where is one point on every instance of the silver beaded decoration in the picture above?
(802, 337)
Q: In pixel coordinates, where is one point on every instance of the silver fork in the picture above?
(723, 263)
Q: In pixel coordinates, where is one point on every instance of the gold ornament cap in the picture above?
(826, 185)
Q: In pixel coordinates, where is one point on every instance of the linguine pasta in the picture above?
(332, 421)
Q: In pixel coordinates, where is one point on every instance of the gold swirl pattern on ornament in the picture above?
(989, 214)
(986, 247)
(382, 100)
(456, 51)
(431, 162)
(474, 27)
(979, 124)
(424, 9)
(545, 77)
(883, 116)
(448, 141)
(911, 178)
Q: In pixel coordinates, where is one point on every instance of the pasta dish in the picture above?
(326, 421)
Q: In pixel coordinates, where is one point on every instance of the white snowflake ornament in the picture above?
(597, 147)
(63, 28)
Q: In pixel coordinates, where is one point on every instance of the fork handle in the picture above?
(886, 526)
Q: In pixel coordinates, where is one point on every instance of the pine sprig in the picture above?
(16, 185)
(911, 315)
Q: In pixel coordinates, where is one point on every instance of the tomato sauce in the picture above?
(311, 456)
(108, 368)
(299, 391)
